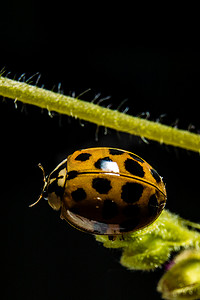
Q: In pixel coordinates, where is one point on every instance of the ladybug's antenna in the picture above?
(45, 184)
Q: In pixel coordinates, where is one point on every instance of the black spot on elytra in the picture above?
(134, 167)
(78, 195)
(99, 164)
(75, 209)
(131, 211)
(136, 157)
(72, 174)
(131, 192)
(54, 187)
(101, 185)
(153, 205)
(129, 225)
(155, 175)
(83, 156)
(109, 209)
(116, 152)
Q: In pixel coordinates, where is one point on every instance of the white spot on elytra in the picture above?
(109, 166)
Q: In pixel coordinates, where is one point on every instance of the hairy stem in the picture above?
(99, 115)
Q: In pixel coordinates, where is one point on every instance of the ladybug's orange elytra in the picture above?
(106, 191)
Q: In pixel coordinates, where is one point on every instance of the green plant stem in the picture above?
(99, 115)
(151, 247)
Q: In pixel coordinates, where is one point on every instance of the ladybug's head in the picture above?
(55, 185)
(53, 188)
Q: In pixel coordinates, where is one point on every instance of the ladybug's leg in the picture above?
(112, 237)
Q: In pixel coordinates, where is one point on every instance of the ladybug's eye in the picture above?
(45, 195)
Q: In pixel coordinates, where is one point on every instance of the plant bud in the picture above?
(182, 280)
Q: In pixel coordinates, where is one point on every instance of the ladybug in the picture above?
(105, 191)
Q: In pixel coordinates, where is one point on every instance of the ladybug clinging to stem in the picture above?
(105, 191)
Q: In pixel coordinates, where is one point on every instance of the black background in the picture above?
(43, 257)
